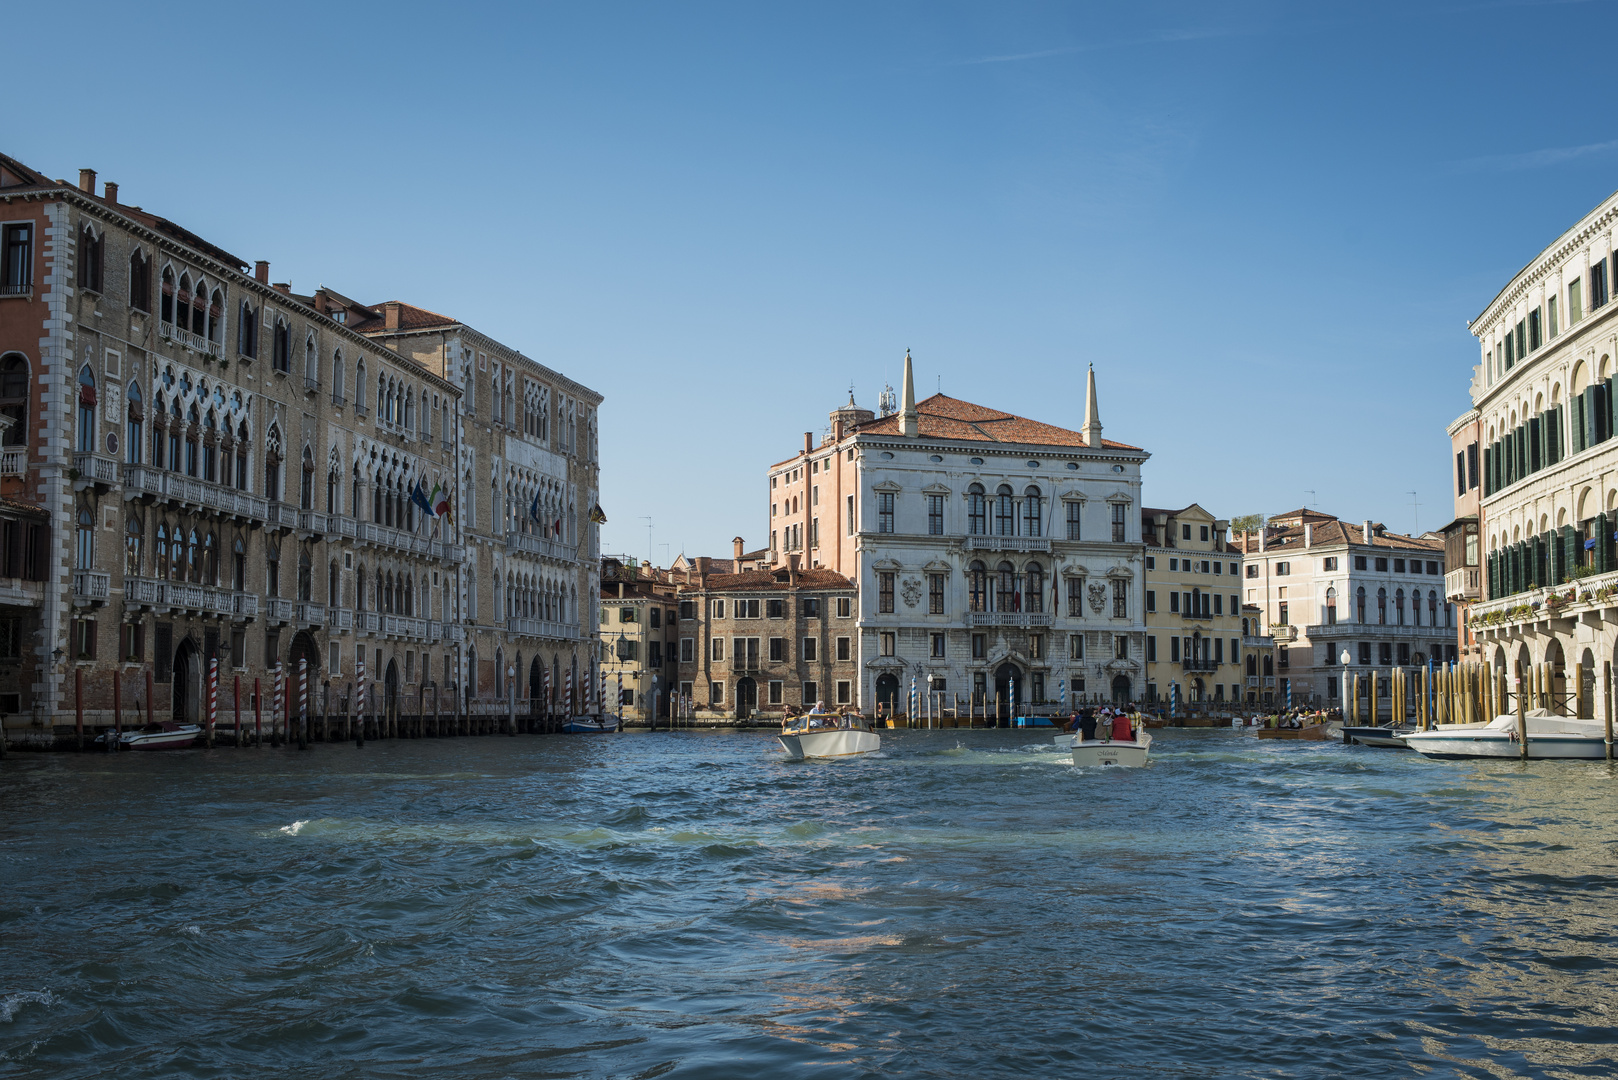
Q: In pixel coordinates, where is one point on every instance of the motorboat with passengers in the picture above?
(820, 734)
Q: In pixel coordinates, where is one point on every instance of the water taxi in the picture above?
(163, 735)
(827, 735)
(1131, 752)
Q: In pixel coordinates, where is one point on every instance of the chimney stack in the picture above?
(320, 301)
(1308, 535)
(1263, 537)
(87, 181)
(112, 192)
(1368, 533)
(837, 429)
(792, 571)
(808, 442)
(390, 315)
(736, 550)
(283, 287)
(261, 271)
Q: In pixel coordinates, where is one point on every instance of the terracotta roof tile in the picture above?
(410, 318)
(941, 417)
(777, 579)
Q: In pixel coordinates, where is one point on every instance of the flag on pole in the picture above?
(441, 504)
(418, 497)
(533, 510)
(597, 515)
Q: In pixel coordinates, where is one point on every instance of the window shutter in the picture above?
(1570, 551)
(1601, 554)
(1536, 455)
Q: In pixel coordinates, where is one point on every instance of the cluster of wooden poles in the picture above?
(1469, 693)
(359, 716)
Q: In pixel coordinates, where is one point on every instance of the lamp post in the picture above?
(929, 701)
(1346, 658)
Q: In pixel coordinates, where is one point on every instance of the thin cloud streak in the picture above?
(1101, 46)
(1535, 159)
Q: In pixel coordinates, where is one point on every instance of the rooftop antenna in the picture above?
(648, 537)
(1312, 499)
(1415, 511)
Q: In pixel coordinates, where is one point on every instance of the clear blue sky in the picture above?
(1266, 224)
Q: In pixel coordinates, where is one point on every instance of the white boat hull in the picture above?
(1549, 738)
(1066, 742)
(834, 742)
(1095, 752)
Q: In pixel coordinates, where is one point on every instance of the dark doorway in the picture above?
(1008, 690)
(887, 693)
(390, 688)
(1120, 689)
(186, 689)
(536, 686)
(746, 698)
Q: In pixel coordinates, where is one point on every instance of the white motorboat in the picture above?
(600, 724)
(163, 735)
(1548, 737)
(1089, 752)
(1066, 742)
(827, 735)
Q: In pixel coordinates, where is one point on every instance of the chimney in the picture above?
(1368, 533)
(736, 550)
(390, 315)
(1263, 537)
(112, 192)
(87, 181)
(808, 442)
(1308, 535)
(261, 272)
(320, 301)
(283, 287)
(703, 565)
(837, 429)
(792, 571)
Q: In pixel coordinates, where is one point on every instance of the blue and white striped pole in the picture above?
(912, 700)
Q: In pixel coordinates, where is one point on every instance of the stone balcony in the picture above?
(94, 470)
(188, 492)
(1007, 543)
(91, 588)
(309, 615)
(13, 461)
(521, 543)
(1353, 631)
(1008, 618)
(541, 628)
(1465, 584)
(187, 597)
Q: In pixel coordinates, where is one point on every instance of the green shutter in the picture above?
(1536, 446)
(1601, 556)
(1570, 551)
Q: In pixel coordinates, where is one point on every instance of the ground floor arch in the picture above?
(1121, 689)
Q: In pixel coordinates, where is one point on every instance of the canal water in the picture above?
(964, 904)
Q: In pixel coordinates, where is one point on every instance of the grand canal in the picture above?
(963, 904)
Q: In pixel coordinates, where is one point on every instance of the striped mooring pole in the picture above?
(213, 695)
(303, 703)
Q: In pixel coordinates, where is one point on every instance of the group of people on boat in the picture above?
(1295, 719)
(817, 719)
(1107, 724)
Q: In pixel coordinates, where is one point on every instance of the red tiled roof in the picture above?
(941, 417)
(776, 579)
(410, 318)
(1332, 531)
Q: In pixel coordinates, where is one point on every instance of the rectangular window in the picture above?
(719, 609)
(850, 515)
(778, 650)
(132, 641)
(1399, 566)
(716, 693)
(1329, 565)
(1365, 652)
(1219, 650)
(1432, 567)
(1074, 532)
(626, 615)
(845, 607)
(1598, 284)
(717, 649)
(884, 586)
(688, 650)
(935, 515)
(1550, 309)
(809, 607)
(884, 511)
(937, 643)
(810, 650)
(1075, 646)
(1174, 603)
(688, 609)
(1359, 562)
(980, 646)
(777, 696)
(272, 647)
(1535, 331)
(747, 609)
(811, 693)
(1252, 570)
(1119, 510)
(843, 647)
(1075, 597)
(654, 653)
(1282, 569)
(1151, 649)
(1174, 650)
(17, 272)
(1151, 562)
(935, 594)
(886, 640)
(1151, 601)
(1219, 604)
(845, 691)
(1575, 306)
(775, 609)
(1382, 565)
(657, 618)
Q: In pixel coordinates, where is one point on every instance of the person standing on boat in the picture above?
(1087, 725)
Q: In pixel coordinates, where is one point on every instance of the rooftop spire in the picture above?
(908, 423)
(1092, 413)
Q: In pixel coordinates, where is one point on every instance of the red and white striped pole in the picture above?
(359, 697)
(275, 717)
(303, 703)
(213, 695)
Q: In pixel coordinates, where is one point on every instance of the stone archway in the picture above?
(747, 697)
(1007, 690)
(1120, 689)
(390, 687)
(887, 691)
(185, 690)
(1558, 691)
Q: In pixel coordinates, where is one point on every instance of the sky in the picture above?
(1265, 224)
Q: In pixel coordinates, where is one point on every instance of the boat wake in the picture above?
(11, 1003)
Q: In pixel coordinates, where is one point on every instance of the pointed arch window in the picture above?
(238, 567)
(134, 539)
(193, 561)
(210, 448)
(241, 458)
(166, 307)
(192, 428)
(210, 560)
(90, 251)
(338, 378)
(176, 430)
(161, 552)
(281, 346)
(140, 281)
(14, 397)
(311, 362)
(216, 317)
(306, 583)
(135, 436)
(359, 386)
(247, 331)
(272, 465)
(87, 410)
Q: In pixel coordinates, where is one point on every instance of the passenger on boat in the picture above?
(1120, 729)
(1087, 724)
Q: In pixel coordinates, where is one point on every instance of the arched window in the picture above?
(1432, 608)
(135, 437)
(1331, 608)
(192, 428)
(1005, 515)
(90, 248)
(306, 584)
(359, 588)
(166, 307)
(359, 385)
(409, 595)
(1399, 606)
(333, 582)
(333, 481)
(193, 562)
(1032, 511)
(140, 281)
(337, 377)
(216, 317)
(376, 499)
(176, 431)
(1034, 595)
(134, 539)
(311, 363)
(1359, 604)
(306, 485)
(247, 330)
(1415, 607)
(161, 553)
(85, 552)
(410, 410)
(210, 560)
(238, 567)
(87, 410)
(272, 464)
(382, 397)
(281, 346)
(241, 457)
(1005, 588)
(1382, 607)
(354, 486)
(14, 397)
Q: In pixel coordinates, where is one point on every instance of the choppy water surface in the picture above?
(964, 904)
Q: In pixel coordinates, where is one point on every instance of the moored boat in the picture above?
(1549, 738)
(163, 735)
(1309, 732)
(591, 725)
(1131, 752)
(1384, 736)
(826, 735)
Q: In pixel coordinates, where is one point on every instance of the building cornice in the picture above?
(1540, 266)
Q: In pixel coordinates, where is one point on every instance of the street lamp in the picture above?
(929, 700)
(1346, 658)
